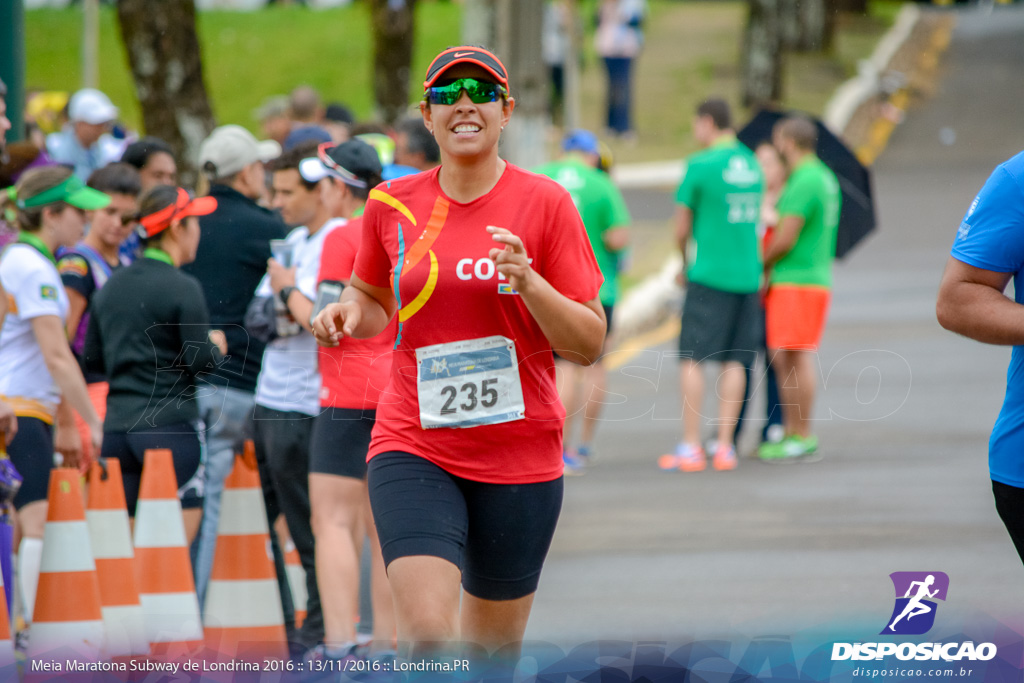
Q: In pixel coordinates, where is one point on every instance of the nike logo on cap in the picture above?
(462, 54)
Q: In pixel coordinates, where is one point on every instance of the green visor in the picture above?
(72, 191)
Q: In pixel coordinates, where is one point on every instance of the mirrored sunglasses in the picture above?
(479, 92)
(347, 176)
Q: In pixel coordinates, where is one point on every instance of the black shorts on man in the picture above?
(720, 326)
(340, 441)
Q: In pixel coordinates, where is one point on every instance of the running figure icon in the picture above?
(917, 595)
(916, 607)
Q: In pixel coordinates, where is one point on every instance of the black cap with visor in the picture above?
(466, 54)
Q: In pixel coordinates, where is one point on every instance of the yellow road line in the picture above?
(634, 346)
(882, 128)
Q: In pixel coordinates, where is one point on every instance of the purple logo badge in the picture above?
(916, 592)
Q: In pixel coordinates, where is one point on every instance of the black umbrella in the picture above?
(857, 216)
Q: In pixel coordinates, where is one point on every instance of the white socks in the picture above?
(30, 558)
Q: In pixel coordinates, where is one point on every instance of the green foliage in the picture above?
(692, 51)
(247, 56)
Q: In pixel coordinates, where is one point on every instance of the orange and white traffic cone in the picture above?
(296, 581)
(67, 614)
(162, 567)
(243, 615)
(107, 515)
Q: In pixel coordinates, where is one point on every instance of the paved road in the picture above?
(904, 419)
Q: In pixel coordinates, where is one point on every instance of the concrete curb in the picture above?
(651, 302)
(652, 174)
(849, 96)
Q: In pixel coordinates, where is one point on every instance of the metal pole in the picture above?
(571, 94)
(90, 43)
(12, 64)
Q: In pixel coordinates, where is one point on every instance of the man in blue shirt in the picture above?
(988, 251)
(85, 142)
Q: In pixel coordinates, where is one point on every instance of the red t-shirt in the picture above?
(356, 370)
(449, 290)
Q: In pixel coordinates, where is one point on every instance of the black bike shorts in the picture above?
(497, 534)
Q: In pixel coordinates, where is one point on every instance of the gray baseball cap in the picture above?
(231, 148)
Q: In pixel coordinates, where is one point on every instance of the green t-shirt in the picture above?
(812, 193)
(601, 207)
(722, 185)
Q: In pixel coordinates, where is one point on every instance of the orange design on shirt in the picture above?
(420, 249)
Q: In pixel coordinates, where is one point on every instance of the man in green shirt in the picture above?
(799, 263)
(606, 219)
(718, 205)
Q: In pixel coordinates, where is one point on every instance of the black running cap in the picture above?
(466, 54)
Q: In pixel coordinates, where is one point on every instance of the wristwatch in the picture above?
(285, 293)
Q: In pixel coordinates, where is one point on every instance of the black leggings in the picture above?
(1010, 506)
(497, 534)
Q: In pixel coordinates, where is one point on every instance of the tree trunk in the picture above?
(813, 23)
(789, 24)
(828, 39)
(762, 54)
(571, 67)
(512, 30)
(808, 25)
(852, 6)
(518, 25)
(394, 27)
(478, 23)
(163, 52)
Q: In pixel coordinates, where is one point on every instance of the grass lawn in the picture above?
(692, 51)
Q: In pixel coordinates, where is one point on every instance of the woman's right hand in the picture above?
(335, 322)
(8, 423)
(68, 444)
(96, 436)
(220, 340)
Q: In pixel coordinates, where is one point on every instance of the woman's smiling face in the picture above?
(466, 129)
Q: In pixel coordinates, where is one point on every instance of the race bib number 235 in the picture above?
(469, 383)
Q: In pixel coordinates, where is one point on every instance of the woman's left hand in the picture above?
(68, 443)
(511, 261)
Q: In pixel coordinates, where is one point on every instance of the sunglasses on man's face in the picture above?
(479, 92)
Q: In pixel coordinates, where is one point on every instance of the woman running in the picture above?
(487, 268)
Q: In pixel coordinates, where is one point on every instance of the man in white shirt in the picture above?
(288, 389)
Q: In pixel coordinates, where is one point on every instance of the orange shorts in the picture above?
(794, 316)
(98, 398)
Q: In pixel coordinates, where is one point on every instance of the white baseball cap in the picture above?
(231, 148)
(91, 106)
